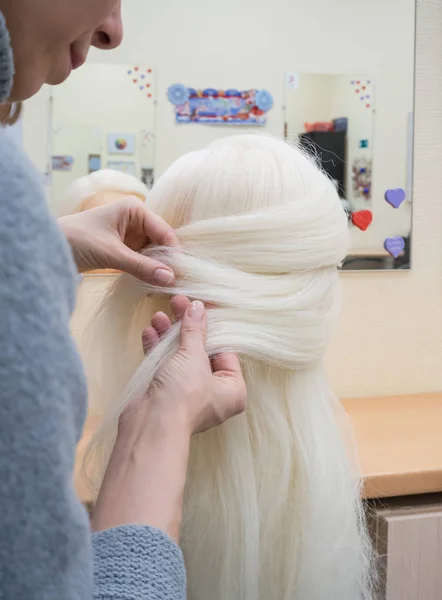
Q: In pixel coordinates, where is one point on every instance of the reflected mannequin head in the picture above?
(97, 189)
(50, 39)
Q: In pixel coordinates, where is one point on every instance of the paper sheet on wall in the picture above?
(292, 81)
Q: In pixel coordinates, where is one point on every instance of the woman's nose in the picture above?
(110, 33)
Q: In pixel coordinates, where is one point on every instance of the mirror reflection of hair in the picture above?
(272, 506)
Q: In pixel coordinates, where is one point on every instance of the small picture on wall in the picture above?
(121, 143)
(147, 177)
(124, 166)
(94, 163)
(62, 163)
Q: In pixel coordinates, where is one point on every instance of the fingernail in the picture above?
(196, 310)
(163, 276)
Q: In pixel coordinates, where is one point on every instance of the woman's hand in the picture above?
(201, 392)
(145, 479)
(110, 236)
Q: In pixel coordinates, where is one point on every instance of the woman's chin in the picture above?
(60, 74)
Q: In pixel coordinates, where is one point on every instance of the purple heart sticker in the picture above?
(394, 246)
(395, 197)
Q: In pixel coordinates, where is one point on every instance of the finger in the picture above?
(161, 323)
(193, 328)
(149, 339)
(227, 364)
(230, 391)
(155, 228)
(179, 304)
(142, 267)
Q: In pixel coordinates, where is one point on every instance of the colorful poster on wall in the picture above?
(220, 107)
(121, 143)
(62, 163)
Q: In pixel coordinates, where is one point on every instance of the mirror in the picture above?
(335, 76)
(103, 117)
(333, 117)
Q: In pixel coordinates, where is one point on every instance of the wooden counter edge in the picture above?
(376, 485)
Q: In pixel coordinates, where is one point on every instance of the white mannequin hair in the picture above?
(272, 505)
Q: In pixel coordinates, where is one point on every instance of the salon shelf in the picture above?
(399, 440)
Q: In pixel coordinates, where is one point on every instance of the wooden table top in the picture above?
(399, 441)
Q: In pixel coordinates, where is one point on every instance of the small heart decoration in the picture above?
(395, 197)
(368, 105)
(136, 69)
(357, 91)
(149, 70)
(358, 82)
(394, 246)
(135, 80)
(362, 219)
(149, 95)
(363, 87)
(148, 85)
(129, 72)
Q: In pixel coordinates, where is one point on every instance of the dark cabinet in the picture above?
(329, 148)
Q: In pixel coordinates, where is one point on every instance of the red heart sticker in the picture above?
(358, 82)
(357, 91)
(363, 87)
(149, 95)
(149, 70)
(135, 80)
(368, 105)
(148, 85)
(136, 69)
(362, 219)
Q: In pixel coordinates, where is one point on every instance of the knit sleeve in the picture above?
(137, 563)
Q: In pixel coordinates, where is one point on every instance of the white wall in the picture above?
(308, 103)
(95, 101)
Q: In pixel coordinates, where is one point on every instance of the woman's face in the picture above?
(50, 38)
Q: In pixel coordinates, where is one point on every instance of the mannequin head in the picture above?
(272, 507)
(99, 188)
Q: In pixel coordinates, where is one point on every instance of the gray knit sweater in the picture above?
(47, 551)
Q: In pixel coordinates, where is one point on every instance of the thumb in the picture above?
(144, 268)
(193, 328)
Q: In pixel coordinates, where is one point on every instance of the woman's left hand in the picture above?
(110, 236)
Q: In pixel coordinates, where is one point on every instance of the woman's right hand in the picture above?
(145, 479)
(190, 387)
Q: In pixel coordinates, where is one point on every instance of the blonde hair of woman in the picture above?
(272, 506)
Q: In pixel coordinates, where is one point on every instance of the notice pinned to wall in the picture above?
(292, 81)
(62, 163)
